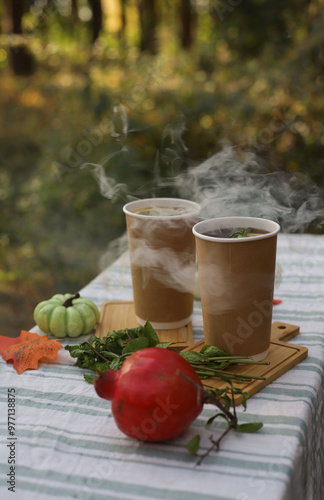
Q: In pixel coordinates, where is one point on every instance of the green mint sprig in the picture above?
(240, 233)
(212, 361)
(110, 352)
(223, 402)
(99, 355)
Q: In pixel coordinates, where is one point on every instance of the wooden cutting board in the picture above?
(281, 357)
(121, 314)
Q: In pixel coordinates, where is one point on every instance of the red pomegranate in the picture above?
(152, 398)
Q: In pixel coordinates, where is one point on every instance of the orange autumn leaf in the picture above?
(27, 350)
(6, 342)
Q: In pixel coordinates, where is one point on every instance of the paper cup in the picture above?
(162, 257)
(236, 279)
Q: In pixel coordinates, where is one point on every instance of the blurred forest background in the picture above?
(141, 89)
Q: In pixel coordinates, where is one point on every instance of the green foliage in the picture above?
(249, 427)
(211, 361)
(110, 352)
(222, 399)
(193, 445)
(90, 378)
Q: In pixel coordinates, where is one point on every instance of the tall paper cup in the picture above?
(236, 278)
(162, 256)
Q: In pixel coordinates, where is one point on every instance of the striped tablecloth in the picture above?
(68, 445)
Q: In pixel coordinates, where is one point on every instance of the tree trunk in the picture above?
(148, 24)
(96, 22)
(187, 23)
(21, 60)
(18, 9)
(6, 22)
(74, 11)
(122, 33)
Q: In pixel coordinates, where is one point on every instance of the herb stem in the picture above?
(125, 355)
(222, 358)
(203, 372)
(208, 397)
(95, 351)
(129, 337)
(248, 362)
(239, 360)
(233, 401)
(208, 371)
(215, 445)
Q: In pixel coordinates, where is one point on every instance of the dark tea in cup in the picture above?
(236, 267)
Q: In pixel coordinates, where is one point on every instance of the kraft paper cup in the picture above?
(236, 278)
(162, 257)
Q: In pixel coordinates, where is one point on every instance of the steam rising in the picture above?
(225, 185)
(175, 270)
(108, 187)
(162, 248)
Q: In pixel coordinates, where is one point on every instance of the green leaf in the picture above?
(149, 332)
(92, 339)
(108, 355)
(225, 378)
(218, 392)
(76, 352)
(245, 397)
(114, 343)
(130, 332)
(136, 345)
(211, 419)
(85, 361)
(248, 427)
(193, 445)
(101, 367)
(227, 402)
(218, 365)
(194, 357)
(241, 233)
(89, 378)
(116, 364)
(164, 345)
(213, 351)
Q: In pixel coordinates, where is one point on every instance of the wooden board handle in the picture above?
(283, 331)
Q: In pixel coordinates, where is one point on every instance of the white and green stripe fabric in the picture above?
(68, 446)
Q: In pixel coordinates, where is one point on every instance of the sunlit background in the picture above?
(103, 101)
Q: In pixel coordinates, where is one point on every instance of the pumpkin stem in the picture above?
(68, 302)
